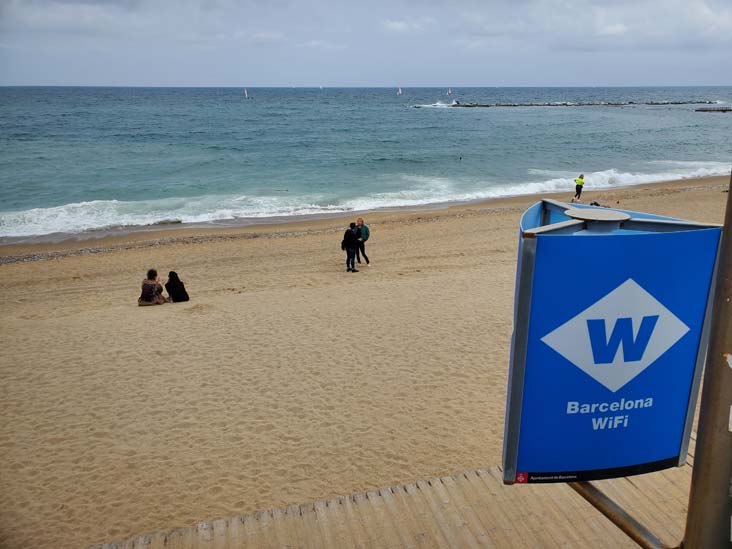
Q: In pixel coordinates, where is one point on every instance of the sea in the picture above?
(84, 161)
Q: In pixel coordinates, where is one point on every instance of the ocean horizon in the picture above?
(80, 159)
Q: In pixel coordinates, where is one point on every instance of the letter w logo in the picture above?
(605, 349)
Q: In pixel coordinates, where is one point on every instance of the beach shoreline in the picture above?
(283, 380)
(33, 248)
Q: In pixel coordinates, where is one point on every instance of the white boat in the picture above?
(399, 91)
(449, 91)
(246, 94)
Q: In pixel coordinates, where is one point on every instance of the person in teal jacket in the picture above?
(363, 233)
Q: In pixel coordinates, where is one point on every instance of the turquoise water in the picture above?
(78, 159)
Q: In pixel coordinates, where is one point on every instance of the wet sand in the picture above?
(285, 379)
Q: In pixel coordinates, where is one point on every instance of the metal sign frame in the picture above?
(581, 218)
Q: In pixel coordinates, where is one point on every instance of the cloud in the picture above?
(399, 26)
(61, 17)
(614, 29)
(594, 25)
(322, 44)
(408, 25)
(264, 37)
(377, 42)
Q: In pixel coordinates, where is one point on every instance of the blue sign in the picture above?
(608, 344)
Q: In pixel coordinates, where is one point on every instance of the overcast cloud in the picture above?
(365, 43)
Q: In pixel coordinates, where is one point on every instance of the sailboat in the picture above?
(449, 91)
(246, 94)
(399, 91)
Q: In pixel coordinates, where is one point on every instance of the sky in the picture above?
(366, 43)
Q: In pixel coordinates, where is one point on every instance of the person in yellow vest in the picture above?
(578, 184)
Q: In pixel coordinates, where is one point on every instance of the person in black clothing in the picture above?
(175, 287)
(350, 244)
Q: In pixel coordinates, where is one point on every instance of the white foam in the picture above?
(438, 105)
(83, 216)
(413, 190)
(436, 190)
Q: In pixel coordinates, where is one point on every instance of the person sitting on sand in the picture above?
(152, 290)
(350, 244)
(175, 288)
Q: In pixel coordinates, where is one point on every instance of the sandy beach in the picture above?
(283, 380)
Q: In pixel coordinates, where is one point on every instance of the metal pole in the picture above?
(635, 530)
(710, 504)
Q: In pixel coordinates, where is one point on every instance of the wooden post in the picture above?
(709, 520)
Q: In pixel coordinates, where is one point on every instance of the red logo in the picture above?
(522, 478)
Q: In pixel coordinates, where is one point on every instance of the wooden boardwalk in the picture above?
(472, 509)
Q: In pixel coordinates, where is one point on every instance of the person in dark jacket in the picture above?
(363, 233)
(175, 288)
(350, 244)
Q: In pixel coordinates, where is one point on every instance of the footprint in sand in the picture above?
(165, 353)
(198, 309)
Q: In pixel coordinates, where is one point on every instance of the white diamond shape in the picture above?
(572, 339)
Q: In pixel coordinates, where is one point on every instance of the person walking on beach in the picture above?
(363, 233)
(350, 244)
(579, 183)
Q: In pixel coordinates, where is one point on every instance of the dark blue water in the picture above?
(73, 159)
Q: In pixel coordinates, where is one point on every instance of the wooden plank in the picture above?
(453, 512)
(453, 536)
(627, 500)
(646, 495)
(399, 522)
(265, 525)
(400, 518)
(420, 511)
(455, 490)
(391, 531)
(374, 536)
(280, 528)
(576, 516)
(489, 512)
(236, 535)
(327, 531)
(180, 538)
(309, 521)
(251, 530)
(518, 520)
(339, 523)
(220, 534)
(607, 533)
(504, 525)
(472, 509)
(537, 513)
(355, 524)
(534, 520)
(654, 487)
(418, 534)
(678, 482)
(297, 529)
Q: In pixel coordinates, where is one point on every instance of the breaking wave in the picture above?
(438, 105)
(414, 191)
